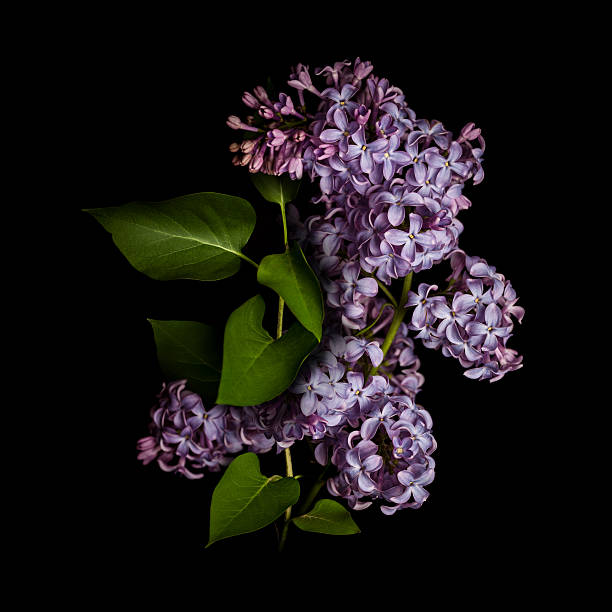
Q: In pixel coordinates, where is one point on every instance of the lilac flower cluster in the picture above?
(392, 183)
(475, 326)
(279, 146)
(187, 438)
(368, 426)
(391, 186)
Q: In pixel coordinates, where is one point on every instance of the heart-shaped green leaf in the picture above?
(245, 500)
(257, 368)
(198, 236)
(191, 350)
(293, 279)
(279, 189)
(328, 516)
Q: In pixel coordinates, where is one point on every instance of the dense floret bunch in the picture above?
(390, 189)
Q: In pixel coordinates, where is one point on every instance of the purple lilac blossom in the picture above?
(391, 188)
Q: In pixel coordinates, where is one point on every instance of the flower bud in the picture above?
(250, 100)
(247, 146)
(234, 122)
(265, 112)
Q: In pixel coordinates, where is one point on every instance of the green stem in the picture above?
(365, 330)
(283, 539)
(243, 256)
(312, 494)
(387, 293)
(279, 321)
(398, 317)
(281, 545)
(279, 333)
(284, 214)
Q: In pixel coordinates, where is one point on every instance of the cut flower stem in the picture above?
(279, 333)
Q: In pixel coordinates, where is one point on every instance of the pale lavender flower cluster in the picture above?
(392, 183)
(368, 426)
(392, 188)
(187, 438)
(475, 325)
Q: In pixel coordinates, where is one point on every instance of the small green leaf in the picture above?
(198, 236)
(191, 350)
(279, 189)
(328, 516)
(245, 500)
(293, 279)
(257, 368)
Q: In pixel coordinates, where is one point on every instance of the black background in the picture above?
(149, 117)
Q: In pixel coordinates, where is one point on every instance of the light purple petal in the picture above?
(378, 145)
(367, 286)
(375, 353)
(490, 343)
(474, 328)
(366, 484)
(397, 237)
(373, 463)
(369, 428)
(396, 215)
(308, 403)
(331, 135)
(493, 315)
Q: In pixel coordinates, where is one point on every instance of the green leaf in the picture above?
(191, 350)
(279, 189)
(257, 368)
(328, 516)
(245, 500)
(293, 279)
(197, 236)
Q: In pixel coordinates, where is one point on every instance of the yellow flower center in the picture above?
(363, 148)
